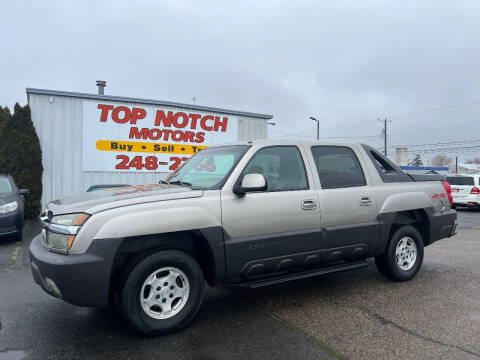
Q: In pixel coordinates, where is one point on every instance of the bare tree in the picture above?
(474, 161)
(441, 160)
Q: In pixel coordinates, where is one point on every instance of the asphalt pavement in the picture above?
(468, 217)
(361, 315)
(34, 325)
(356, 314)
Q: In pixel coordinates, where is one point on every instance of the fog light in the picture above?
(53, 287)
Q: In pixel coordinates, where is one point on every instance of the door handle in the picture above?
(365, 201)
(309, 205)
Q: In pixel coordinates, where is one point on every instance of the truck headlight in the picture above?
(70, 219)
(8, 208)
(59, 234)
(56, 241)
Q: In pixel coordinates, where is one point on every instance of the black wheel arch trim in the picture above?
(436, 225)
(207, 243)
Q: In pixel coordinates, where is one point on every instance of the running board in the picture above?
(303, 275)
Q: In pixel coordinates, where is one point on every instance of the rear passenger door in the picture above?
(348, 204)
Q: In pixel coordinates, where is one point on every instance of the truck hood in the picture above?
(101, 200)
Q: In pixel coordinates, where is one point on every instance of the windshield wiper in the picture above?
(178, 182)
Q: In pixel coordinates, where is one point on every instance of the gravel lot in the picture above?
(356, 314)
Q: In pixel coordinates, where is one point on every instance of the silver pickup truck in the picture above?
(248, 214)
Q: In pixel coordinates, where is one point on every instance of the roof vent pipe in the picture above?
(101, 86)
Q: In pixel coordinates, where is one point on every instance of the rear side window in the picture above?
(282, 167)
(461, 180)
(337, 167)
(388, 171)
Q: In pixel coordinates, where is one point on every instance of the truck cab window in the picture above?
(282, 167)
(337, 167)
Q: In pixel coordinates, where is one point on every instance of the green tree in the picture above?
(21, 155)
(4, 115)
(417, 161)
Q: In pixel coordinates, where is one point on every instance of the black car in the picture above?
(11, 207)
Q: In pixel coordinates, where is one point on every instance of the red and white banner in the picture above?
(120, 137)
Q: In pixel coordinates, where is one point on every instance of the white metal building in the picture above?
(82, 136)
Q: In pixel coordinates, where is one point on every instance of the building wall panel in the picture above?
(58, 121)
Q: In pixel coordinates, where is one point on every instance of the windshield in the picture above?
(209, 169)
(5, 186)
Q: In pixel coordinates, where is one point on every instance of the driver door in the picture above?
(277, 229)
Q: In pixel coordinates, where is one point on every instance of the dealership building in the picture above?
(93, 139)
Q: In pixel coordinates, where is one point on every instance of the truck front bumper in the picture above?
(78, 279)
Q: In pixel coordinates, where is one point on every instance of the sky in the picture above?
(346, 63)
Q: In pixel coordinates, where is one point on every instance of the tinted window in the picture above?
(460, 180)
(337, 167)
(282, 167)
(5, 186)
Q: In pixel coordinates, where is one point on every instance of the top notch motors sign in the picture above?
(117, 137)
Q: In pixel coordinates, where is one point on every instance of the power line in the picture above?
(448, 107)
(409, 115)
(450, 149)
(349, 124)
(436, 144)
(277, 133)
(437, 127)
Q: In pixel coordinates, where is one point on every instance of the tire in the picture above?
(408, 243)
(176, 281)
(19, 234)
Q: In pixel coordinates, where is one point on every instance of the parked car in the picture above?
(251, 214)
(465, 190)
(11, 207)
(105, 187)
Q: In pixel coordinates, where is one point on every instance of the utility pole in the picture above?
(385, 121)
(318, 127)
(456, 164)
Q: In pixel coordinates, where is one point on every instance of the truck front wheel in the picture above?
(162, 292)
(403, 256)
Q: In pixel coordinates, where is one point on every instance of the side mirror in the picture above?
(250, 183)
(23, 192)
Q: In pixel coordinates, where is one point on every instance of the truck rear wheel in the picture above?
(162, 292)
(404, 255)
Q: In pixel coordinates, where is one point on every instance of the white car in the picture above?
(465, 189)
